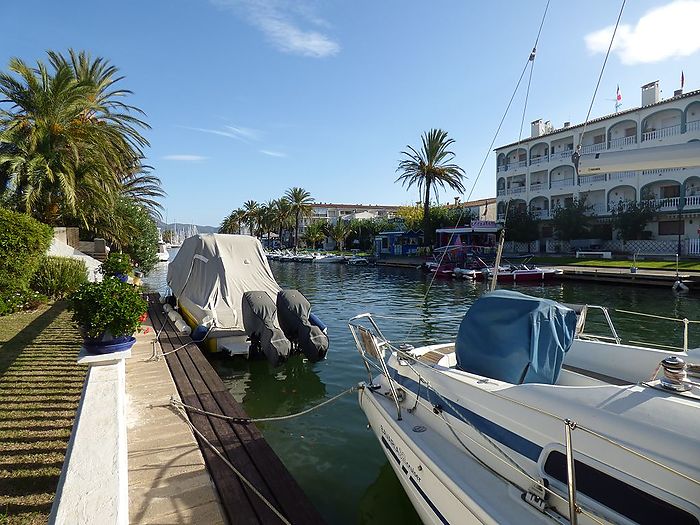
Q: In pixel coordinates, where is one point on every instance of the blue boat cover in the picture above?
(516, 338)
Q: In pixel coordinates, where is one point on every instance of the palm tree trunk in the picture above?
(427, 234)
(296, 231)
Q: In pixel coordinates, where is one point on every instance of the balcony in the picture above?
(539, 160)
(541, 214)
(500, 193)
(562, 183)
(590, 179)
(501, 216)
(692, 201)
(621, 175)
(537, 186)
(667, 204)
(661, 133)
(564, 155)
(593, 148)
(598, 208)
(516, 190)
(692, 126)
(502, 167)
(623, 141)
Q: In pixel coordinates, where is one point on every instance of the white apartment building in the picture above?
(537, 172)
(330, 213)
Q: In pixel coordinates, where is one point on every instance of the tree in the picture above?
(70, 146)
(339, 232)
(522, 225)
(142, 241)
(250, 208)
(572, 221)
(631, 217)
(282, 216)
(300, 202)
(430, 169)
(412, 216)
(314, 234)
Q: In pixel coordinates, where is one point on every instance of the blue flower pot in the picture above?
(123, 278)
(118, 344)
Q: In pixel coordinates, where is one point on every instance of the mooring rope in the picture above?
(223, 458)
(245, 420)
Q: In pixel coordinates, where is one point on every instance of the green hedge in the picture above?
(58, 277)
(23, 243)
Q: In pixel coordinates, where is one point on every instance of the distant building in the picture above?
(481, 209)
(329, 213)
(398, 243)
(537, 172)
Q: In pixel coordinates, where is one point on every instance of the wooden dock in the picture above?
(642, 277)
(242, 444)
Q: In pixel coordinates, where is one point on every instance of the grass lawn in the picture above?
(625, 263)
(40, 386)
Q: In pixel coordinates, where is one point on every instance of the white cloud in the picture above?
(271, 153)
(666, 32)
(232, 132)
(280, 22)
(185, 158)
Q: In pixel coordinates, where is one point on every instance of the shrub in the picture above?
(107, 307)
(116, 264)
(23, 242)
(58, 277)
(13, 301)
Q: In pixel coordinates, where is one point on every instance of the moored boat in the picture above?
(490, 428)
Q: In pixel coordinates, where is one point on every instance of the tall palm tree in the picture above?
(282, 216)
(301, 203)
(251, 215)
(430, 168)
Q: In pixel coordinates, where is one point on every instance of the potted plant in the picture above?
(108, 313)
(117, 265)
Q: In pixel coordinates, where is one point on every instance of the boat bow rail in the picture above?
(376, 352)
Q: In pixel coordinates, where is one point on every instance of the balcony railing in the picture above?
(593, 148)
(500, 193)
(692, 201)
(563, 155)
(537, 186)
(693, 126)
(541, 214)
(539, 160)
(590, 179)
(669, 203)
(501, 216)
(597, 209)
(502, 167)
(562, 183)
(661, 133)
(516, 190)
(620, 175)
(623, 141)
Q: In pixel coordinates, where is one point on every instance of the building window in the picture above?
(671, 228)
(385, 243)
(630, 132)
(598, 139)
(627, 500)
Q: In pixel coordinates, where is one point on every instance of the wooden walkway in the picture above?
(242, 444)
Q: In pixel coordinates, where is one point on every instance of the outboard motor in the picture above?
(293, 312)
(260, 323)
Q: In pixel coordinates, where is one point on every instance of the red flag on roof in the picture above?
(619, 95)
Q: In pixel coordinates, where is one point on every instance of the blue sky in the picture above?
(247, 98)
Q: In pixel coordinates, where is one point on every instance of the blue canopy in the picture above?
(516, 338)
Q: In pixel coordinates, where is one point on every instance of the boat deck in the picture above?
(243, 445)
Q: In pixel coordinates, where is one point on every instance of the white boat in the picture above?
(356, 260)
(329, 259)
(490, 428)
(163, 254)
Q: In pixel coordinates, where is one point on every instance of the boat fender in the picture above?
(260, 324)
(314, 320)
(167, 308)
(293, 314)
(199, 333)
(173, 315)
(182, 327)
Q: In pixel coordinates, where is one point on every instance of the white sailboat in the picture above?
(492, 428)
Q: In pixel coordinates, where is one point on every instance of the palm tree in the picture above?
(314, 234)
(430, 169)
(251, 215)
(300, 202)
(71, 148)
(282, 215)
(339, 232)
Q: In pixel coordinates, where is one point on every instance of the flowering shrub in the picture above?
(11, 302)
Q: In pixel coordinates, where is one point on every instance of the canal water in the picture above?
(330, 452)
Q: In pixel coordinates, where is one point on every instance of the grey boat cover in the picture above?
(516, 338)
(293, 313)
(211, 272)
(260, 321)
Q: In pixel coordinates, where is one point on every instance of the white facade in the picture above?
(539, 173)
(330, 213)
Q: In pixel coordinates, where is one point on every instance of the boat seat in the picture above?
(433, 357)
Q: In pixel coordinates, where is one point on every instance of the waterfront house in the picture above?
(398, 243)
(537, 172)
